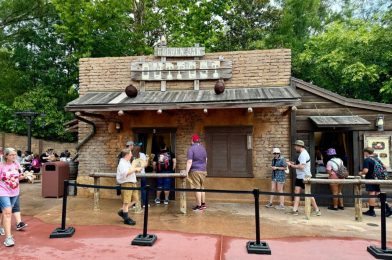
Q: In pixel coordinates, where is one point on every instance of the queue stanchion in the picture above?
(145, 239)
(63, 231)
(257, 247)
(383, 252)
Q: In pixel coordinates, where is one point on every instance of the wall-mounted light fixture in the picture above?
(159, 111)
(120, 113)
(118, 126)
(250, 110)
(205, 110)
(294, 108)
(380, 122)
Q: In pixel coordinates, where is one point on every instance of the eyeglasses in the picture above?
(276, 153)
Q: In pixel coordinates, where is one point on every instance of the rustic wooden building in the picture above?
(239, 127)
(262, 107)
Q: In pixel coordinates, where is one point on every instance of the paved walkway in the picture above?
(109, 242)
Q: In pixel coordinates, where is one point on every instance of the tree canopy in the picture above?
(341, 45)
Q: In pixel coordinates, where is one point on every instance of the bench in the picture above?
(98, 175)
(356, 181)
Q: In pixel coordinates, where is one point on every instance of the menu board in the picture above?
(381, 146)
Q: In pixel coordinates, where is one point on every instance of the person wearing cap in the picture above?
(196, 169)
(332, 168)
(368, 173)
(126, 177)
(302, 169)
(278, 167)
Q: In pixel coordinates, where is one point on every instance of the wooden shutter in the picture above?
(228, 153)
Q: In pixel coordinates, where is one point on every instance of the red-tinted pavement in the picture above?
(109, 242)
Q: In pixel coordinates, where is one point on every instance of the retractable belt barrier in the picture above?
(253, 247)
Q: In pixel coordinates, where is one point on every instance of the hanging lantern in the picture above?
(219, 87)
(131, 91)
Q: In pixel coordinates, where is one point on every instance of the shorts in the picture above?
(129, 196)
(372, 187)
(299, 183)
(196, 179)
(279, 177)
(7, 202)
(164, 183)
(16, 207)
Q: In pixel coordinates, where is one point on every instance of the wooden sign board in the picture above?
(181, 70)
(179, 52)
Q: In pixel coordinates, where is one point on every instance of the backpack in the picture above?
(164, 161)
(342, 171)
(379, 172)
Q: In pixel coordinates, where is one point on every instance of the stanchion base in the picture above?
(141, 240)
(379, 253)
(254, 248)
(59, 233)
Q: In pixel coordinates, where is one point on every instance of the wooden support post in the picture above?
(163, 82)
(138, 207)
(183, 196)
(358, 202)
(96, 193)
(308, 206)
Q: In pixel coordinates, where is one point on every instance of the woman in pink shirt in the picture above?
(10, 174)
(333, 165)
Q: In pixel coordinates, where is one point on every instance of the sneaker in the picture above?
(280, 207)
(9, 241)
(145, 206)
(317, 213)
(388, 214)
(2, 232)
(21, 225)
(341, 207)
(120, 213)
(293, 212)
(157, 201)
(369, 213)
(332, 208)
(269, 205)
(129, 221)
(166, 202)
(197, 209)
(203, 206)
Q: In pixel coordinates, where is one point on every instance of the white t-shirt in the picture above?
(304, 158)
(122, 171)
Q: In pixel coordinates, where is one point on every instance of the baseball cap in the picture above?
(129, 143)
(276, 150)
(369, 150)
(195, 138)
(299, 143)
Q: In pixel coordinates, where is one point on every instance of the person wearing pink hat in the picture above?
(196, 168)
(332, 168)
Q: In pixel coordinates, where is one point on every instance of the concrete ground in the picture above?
(229, 219)
(220, 232)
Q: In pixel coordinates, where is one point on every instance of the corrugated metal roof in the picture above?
(338, 121)
(174, 99)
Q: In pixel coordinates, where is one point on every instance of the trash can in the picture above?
(53, 176)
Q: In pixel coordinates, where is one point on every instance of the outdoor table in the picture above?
(182, 176)
(356, 181)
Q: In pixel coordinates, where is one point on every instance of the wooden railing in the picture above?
(356, 182)
(98, 175)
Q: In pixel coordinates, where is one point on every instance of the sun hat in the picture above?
(276, 150)
(331, 151)
(195, 138)
(299, 143)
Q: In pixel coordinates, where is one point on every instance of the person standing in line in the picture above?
(165, 162)
(278, 167)
(332, 168)
(126, 177)
(368, 173)
(137, 154)
(130, 145)
(10, 174)
(302, 169)
(196, 169)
